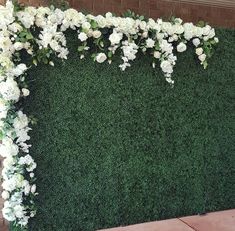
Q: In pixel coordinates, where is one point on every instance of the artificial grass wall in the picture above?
(116, 148)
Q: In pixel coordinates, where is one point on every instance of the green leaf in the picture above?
(205, 64)
(1, 134)
(141, 18)
(110, 54)
(94, 24)
(80, 48)
(29, 36)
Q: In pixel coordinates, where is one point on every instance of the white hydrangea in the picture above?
(8, 148)
(150, 43)
(82, 36)
(3, 109)
(9, 89)
(166, 67)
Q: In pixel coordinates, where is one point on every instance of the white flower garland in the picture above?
(40, 32)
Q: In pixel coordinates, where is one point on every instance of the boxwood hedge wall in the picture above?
(116, 148)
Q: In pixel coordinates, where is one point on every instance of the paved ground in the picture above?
(217, 221)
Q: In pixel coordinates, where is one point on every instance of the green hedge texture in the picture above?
(116, 148)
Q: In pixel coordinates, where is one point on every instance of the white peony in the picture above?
(181, 47)
(199, 51)
(196, 42)
(82, 36)
(101, 57)
(150, 43)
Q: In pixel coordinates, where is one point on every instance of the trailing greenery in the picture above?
(116, 148)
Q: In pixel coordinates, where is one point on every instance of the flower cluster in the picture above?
(40, 32)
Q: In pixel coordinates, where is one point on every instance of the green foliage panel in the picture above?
(116, 148)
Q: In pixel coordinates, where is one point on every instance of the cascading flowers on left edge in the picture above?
(40, 32)
(18, 166)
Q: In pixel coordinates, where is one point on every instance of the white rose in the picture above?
(145, 34)
(115, 38)
(157, 54)
(86, 25)
(202, 57)
(181, 47)
(211, 33)
(199, 51)
(108, 15)
(19, 69)
(26, 187)
(101, 57)
(5, 195)
(216, 39)
(96, 34)
(82, 36)
(18, 46)
(33, 189)
(31, 174)
(175, 37)
(25, 92)
(101, 21)
(150, 43)
(206, 30)
(196, 42)
(166, 67)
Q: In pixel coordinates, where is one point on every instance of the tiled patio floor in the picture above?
(217, 221)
